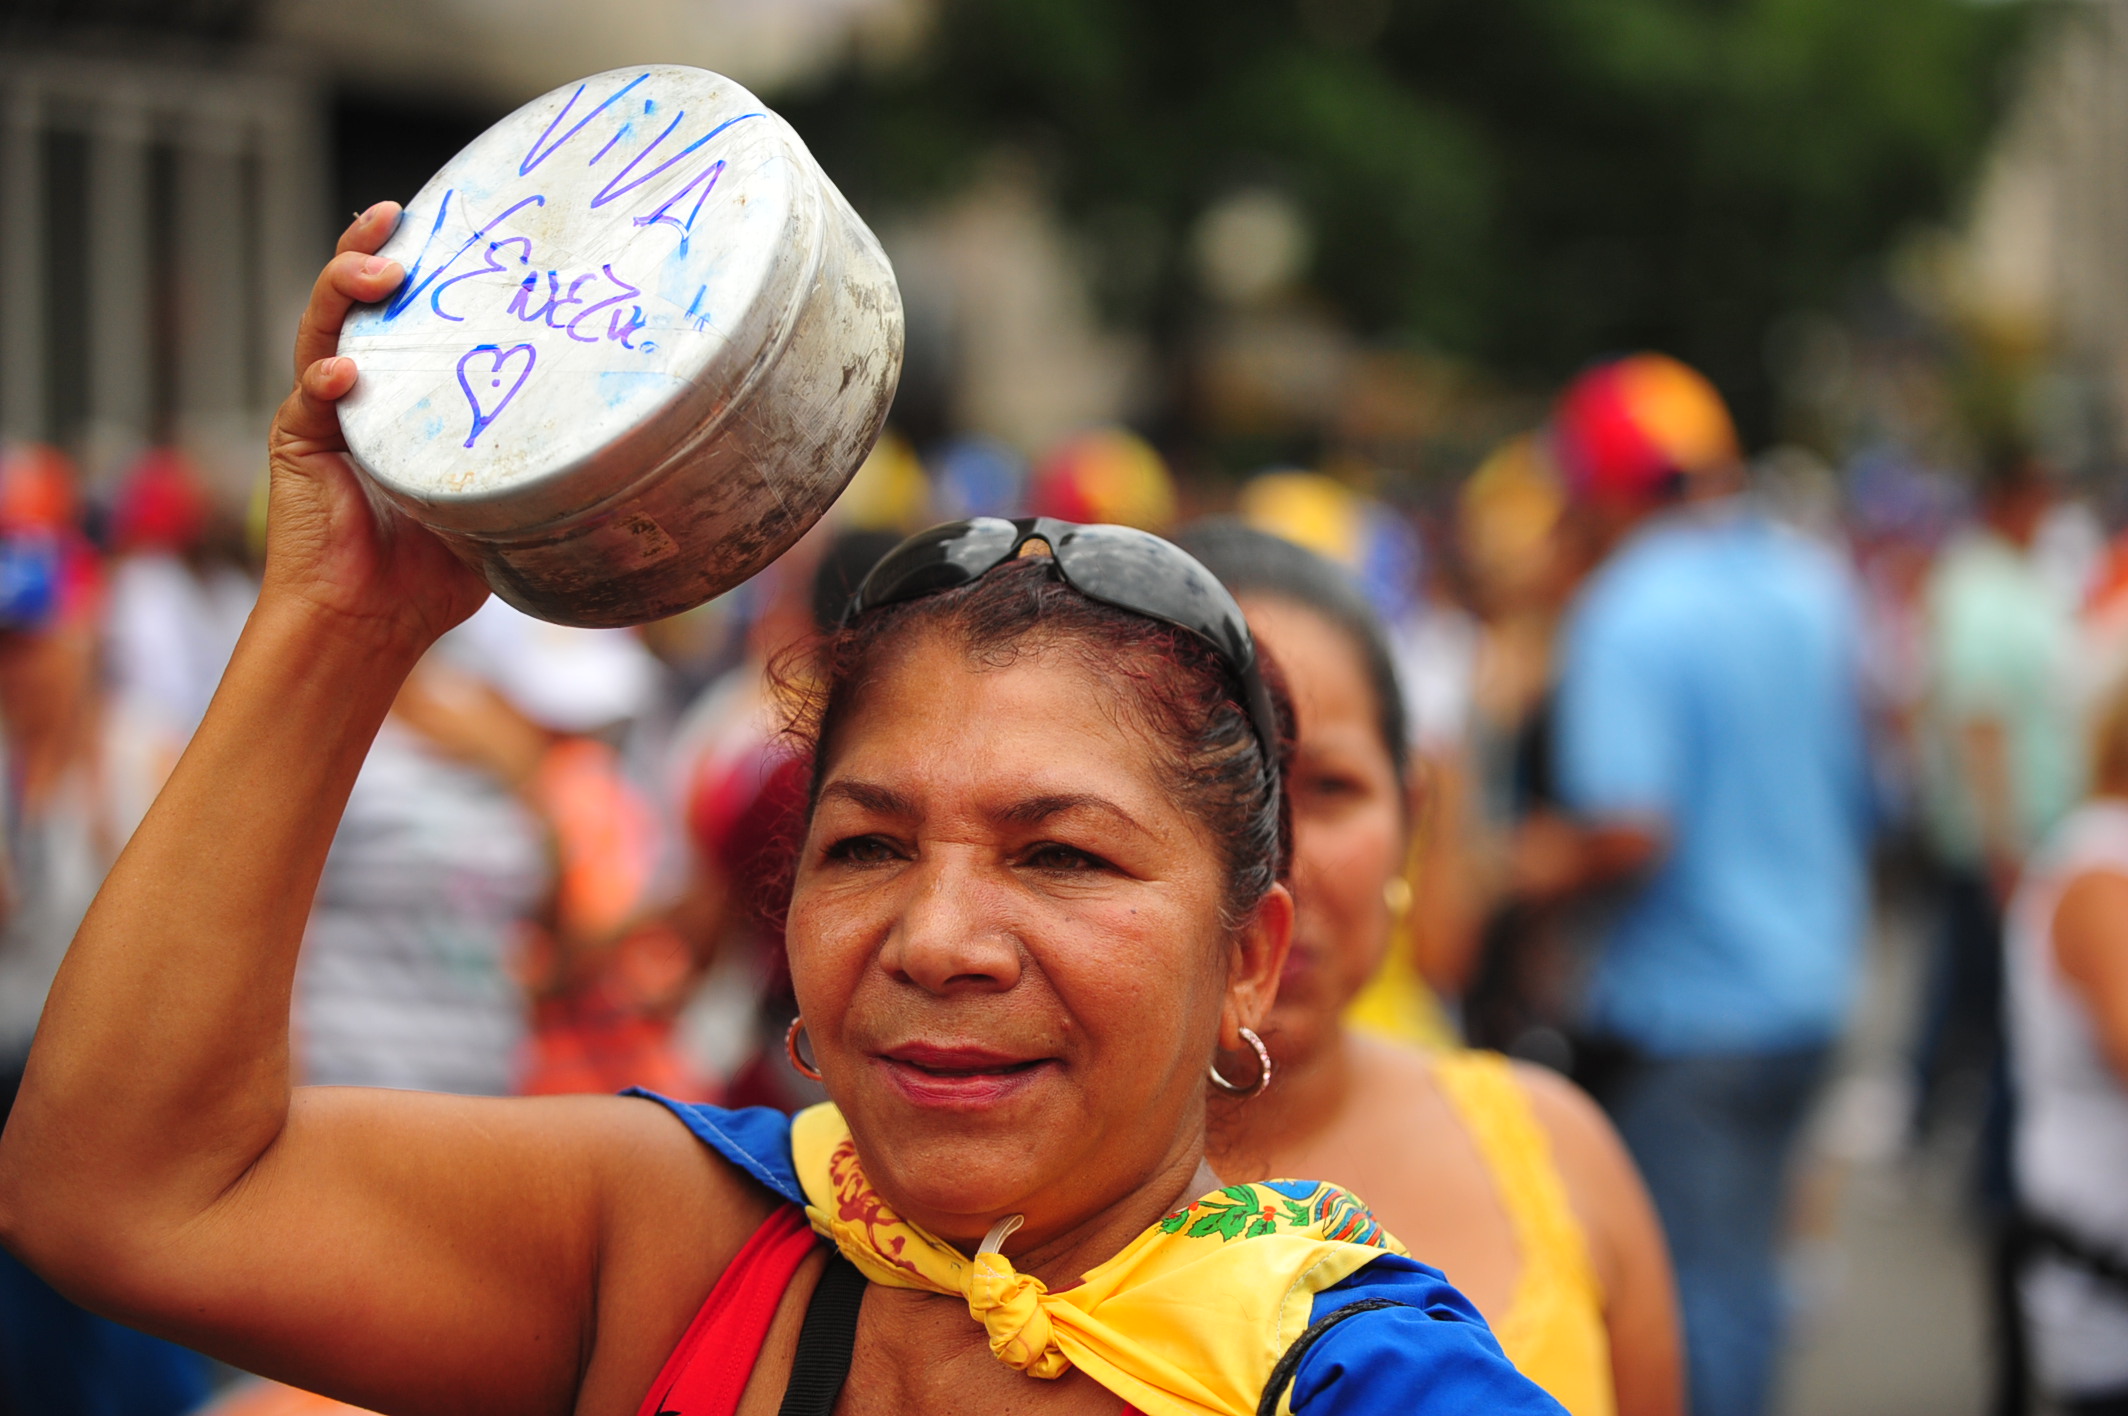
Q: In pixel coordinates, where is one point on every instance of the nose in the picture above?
(952, 934)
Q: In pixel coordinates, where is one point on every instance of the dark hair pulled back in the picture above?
(1252, 562)
(1168, 683)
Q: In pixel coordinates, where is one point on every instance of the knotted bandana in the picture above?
(1188, 1320)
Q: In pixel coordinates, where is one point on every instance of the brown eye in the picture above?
(1052, 856)
(861, 850)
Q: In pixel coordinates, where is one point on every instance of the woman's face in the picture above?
(1007, 942)
(1348, 824)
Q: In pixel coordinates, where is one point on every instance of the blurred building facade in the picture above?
(2041, 274)
(160, 221)
(168, 170)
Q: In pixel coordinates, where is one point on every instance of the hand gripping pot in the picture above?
(641, 346)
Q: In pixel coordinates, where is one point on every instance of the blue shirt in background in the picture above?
(1709, 680)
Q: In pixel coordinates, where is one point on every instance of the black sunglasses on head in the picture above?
(1118, 565)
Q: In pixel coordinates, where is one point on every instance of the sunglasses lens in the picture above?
(938, 559)
(1137, 571)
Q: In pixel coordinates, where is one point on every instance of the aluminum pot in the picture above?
(641, 346)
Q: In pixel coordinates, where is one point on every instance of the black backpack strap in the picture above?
(825, 1341)
(1282, 1374)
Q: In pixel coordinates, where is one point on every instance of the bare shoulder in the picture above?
(1602, 1183)
(652, 1162)
(672, 1214)
(1396, 1068)
(1600, 1176)
(2089, 921)
(1584, 1146)
(1573, 1123)
(1581, 1135)
(1625, 1242)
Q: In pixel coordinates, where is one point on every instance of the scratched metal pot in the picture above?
(642, 345)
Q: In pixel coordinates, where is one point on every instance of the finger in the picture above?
(370, 229)
(308, 415)
(348, 278)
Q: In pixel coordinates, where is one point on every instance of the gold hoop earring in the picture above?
(1396, 896)
(1263, 1068)
(804, 1068)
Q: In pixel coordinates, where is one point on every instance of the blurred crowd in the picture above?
(1665, 713)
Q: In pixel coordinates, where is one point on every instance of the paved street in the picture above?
(1887, 1273)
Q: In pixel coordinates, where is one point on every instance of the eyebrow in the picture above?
(885, 801)
(1035, 810)
(881, 800)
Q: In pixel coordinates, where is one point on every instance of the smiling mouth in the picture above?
(958, 1078)
(986, 1069)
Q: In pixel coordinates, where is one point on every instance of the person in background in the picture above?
(2000, 767)
(176, 607)
(1427, 643)
(604, 972)
(1900, 513)
(1503, 1175)
(1522, 561)
(2067, 967)
(447, 857)
(1712, 759)
(82, 763)
(745, 800)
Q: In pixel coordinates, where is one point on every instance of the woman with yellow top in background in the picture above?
(1503, 1175)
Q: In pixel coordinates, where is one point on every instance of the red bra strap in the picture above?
(707, 1372)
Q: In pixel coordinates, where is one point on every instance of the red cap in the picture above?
(1106, 474)
(160, 506)
(1623, 430)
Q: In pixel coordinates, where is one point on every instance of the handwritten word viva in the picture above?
(624, 182)
(422, 277)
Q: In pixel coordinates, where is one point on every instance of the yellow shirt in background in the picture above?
(1553, 1330)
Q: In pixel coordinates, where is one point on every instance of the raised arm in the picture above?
(410, 1252)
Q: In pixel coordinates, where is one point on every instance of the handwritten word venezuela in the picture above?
(589, 306)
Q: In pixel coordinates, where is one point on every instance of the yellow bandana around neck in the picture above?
(1188, 1320)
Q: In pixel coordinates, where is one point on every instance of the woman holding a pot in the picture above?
(1039, 894)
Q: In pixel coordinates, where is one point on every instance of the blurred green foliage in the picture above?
(1528, 183)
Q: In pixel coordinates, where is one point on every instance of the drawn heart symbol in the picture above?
(490, 390)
